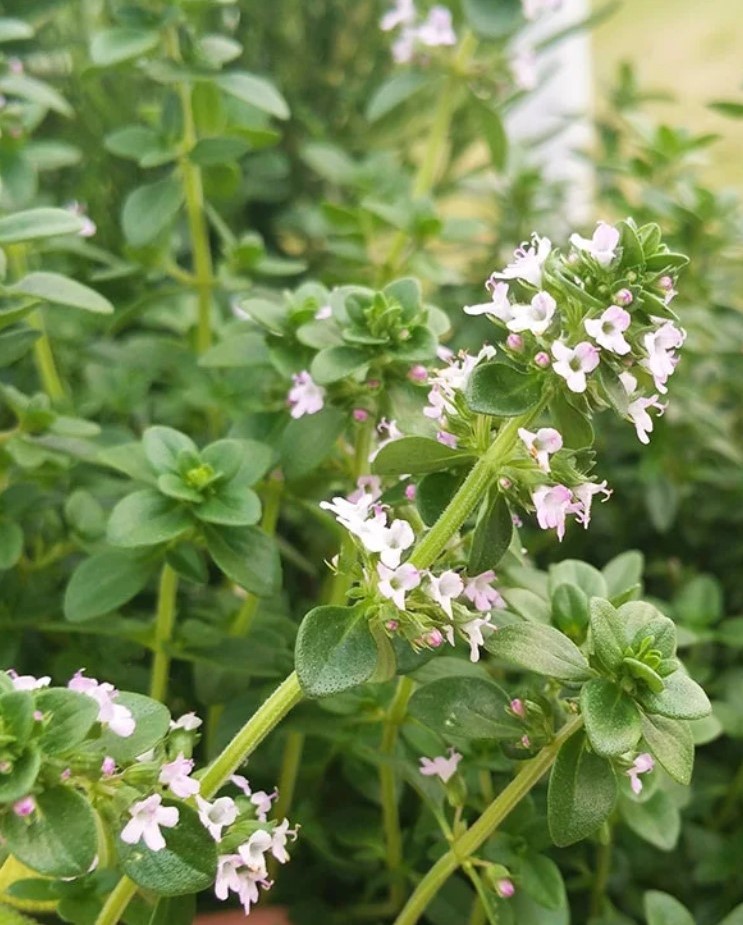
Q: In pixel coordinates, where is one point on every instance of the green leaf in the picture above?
(309, 440)
(728, 108)
(656, 820)
(681, 698)
(542, 880)
(335, 650)
(17, 712)
(113, 46)
(433, 494)
(152, 723)
(11, 544)
(607, 634)
(463, 707)
(149, 210)
(235, 508)
(623, 573)
(662, 909)
(491, 536)
(570, 610)
(146, 518)
(574, 425)
(541, 649)
(582, 792)
(493, 132)
(502, 391)
(38, 223)
(417, 455)
(255, 90)
(35, 91)
(61, 290)
(15, 30)
(632, 251)
(335, 363)
(69, 716)
(672, 743)
(393, 92)
(247, 556)
(612, 720)
(237, 351)
(174, 910)
(130, 459)
(17, 782)
(163, 445)
(103, 583)
(642, 619)
(59, 839)
(573, 571)
(188, 863)
(735, 917)
(16, 343)
(245, 461)
(210, 151)
(492, 20)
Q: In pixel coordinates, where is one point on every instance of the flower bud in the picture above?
(505, 483)
(517, 707)
(360, 415)
(24, 807)
(505, 888)
(392, 626)
(665, 282)
(418, 373)
(542, 359)
(623, 297)
(515, 342)
(434, 639)
(410, 491)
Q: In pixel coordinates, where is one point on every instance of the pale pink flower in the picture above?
(279, 839)
(480, 592)
(541, 445)
(601, 246)
(189, 722)
(398, 537)
(584, 496)
(215, 816)
(523, 66)
(442, 767)
(435, 639)
(418, 373)
(403, 13)
(175, 774)
(254, 849)
(574, 362)
(542, 359)
(661, 360)
(108, 766)
(116, 716)
(228, 879)
(394, 583)
(643, 764)
(515, 342)
(623, 297)
(410, 492)
(529, 261)
(262, 802)
(473, 630)
(608, 330)
(535, 317)
(553, 504)
(147, 817)
(444, 589)
(505, 888)
(638, 413)
(437, 29)
(27, 682)
(499, 306)
(447, 439)
(305, 396)
(25, 807)
(370, 485)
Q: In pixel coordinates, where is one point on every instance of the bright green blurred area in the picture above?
(692, 49)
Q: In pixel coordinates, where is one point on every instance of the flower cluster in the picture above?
(446, 404)
(427, 608)
(115, 716)
(434, 30)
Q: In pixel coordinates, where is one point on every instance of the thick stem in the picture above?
(468, 843)
(164, 623)
(603, 870)
(436, 143)
(116, 904)
(193, 191)
(388, 786)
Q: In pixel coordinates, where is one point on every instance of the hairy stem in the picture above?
(388, 786)
(468, 843)
(164, 623)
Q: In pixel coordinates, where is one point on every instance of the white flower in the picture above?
(402, 14)
(637, 410)
(532, 9)
(499, 306)
(523, 66)
(323, 313)
(608, 330)
(529, 261)
(535, 317)
(147, 817)
(116, 716)
(473, 630)
(444, 588)
(553, 504)
(367, 485)
(660, 345)
(583, 494)
(27, 682)
(390, 542)
(189, 722)
(350, 514)
(574, 362)
(215, 816)
(253, 850)
(436, 29)
(305, 396)
(394, 583)
(441, 767)
(175, 774)
(479, 590)
(601, 246)
(643, 764)
(542, 444)
(278, 841)
(233, 876)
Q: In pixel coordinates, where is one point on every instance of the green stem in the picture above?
(603, 870)
(290, 762)
(193, 190)
(388, 787)
(469, 842)
(470, 492)
(437, 138)
(286, 696)
(164, 623)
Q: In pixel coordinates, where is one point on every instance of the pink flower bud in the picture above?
(418, 373)
(515, 342)
(360, 415)
(505, 483)
(392, 626)
(373, 383)
(5, 767)
(623, 297)
(38, 715)
(410, 491)
(517, 521)
(66, 774)
(447, 439)
(517, 707)
(434, 639)
(542, 359)
(505, 888)
(24, 807)
(525, 741)
(665, 282)
(108, 767)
